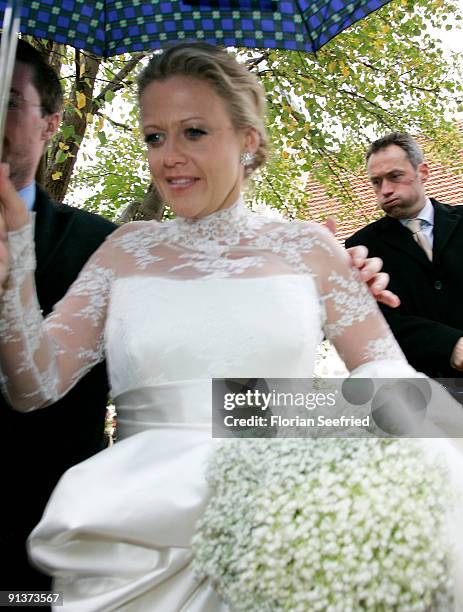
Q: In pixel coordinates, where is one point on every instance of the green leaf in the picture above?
(67, 131)
(102, 137)
(109, 96)
(60, 157)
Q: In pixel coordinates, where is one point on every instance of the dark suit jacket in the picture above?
(37, 447)
(429, 321)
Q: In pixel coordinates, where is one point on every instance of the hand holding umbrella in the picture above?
(13, 211)
(13, 216)
(4, 255)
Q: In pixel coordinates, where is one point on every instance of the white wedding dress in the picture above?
(170, 306)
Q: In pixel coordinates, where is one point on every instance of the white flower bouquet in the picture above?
(335, 525)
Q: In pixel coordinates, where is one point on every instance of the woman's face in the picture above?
(193, 149)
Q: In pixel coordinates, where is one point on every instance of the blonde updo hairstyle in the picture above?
(232, 81)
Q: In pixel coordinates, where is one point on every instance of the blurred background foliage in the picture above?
(388, 72)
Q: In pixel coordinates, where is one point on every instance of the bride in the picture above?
(217, 292)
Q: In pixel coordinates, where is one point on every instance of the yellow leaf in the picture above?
(100, 124)
(81, 100)
(82, 69)
(56, 176)
(89, 117)
(61, 145)
(345, 71)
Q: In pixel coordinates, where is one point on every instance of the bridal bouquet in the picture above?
(333, 525)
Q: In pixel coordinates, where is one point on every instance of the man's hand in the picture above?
(456, 360)
(13, 210)
(370, 271)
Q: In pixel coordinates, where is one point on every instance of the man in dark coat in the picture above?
(37, 447)
(421, 244)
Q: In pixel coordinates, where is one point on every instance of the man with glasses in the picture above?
(36, 448)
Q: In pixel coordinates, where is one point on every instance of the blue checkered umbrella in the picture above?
(112, 27)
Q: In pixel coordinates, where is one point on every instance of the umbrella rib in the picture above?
(11, 22)
(106, 25)
(306, 27)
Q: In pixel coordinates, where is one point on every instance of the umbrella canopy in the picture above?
(112, 27)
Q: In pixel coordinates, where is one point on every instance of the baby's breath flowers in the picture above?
(335, 525)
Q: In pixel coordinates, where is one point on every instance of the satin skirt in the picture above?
(117, 530)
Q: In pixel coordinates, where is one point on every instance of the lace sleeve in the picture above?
(41, 359)
(353, 322)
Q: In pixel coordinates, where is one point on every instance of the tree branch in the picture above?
(118, 81)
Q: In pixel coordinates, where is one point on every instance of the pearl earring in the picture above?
(246, 158)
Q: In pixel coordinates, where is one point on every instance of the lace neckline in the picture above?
(223, 226)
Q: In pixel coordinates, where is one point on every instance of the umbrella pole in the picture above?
(11, 21)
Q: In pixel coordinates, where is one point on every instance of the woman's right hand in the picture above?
(4, 254)
(13, 216)
(12, 208)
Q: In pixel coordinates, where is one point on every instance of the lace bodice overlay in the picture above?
(232, 294)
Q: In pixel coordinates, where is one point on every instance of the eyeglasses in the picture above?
(17, 103)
